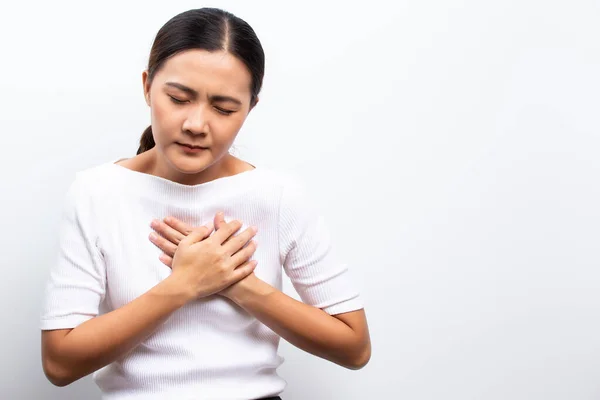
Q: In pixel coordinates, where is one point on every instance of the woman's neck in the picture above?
(153, 163)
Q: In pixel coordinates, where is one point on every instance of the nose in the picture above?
(197, 121)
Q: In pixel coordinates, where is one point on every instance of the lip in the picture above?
(191, 149)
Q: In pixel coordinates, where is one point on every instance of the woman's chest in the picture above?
(132, 261)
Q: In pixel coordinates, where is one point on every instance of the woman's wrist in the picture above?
(174, 291)
(247, 289)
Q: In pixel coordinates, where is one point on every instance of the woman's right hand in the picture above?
(205, 265)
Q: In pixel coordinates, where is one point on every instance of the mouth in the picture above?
(191, 148)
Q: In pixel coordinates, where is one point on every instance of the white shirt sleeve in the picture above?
(77, 280)
(308, 258)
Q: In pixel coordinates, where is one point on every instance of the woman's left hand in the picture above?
(170, 232)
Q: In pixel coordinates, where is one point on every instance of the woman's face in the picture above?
(197, 98)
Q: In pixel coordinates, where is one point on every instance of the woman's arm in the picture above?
(343, 338)
(70, 354)
(204, 266)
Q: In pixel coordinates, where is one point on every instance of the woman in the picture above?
(161, 288)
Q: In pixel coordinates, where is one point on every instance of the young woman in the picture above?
(168, 279)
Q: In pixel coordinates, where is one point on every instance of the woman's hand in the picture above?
(173, 231)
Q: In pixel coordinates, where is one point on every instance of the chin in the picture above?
(190, 164)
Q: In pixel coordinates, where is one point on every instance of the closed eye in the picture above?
(224, 111)
(177, 101)
(219, 109)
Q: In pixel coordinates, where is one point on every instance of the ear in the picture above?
(146, 87)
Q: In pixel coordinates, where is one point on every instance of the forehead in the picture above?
(207, 71)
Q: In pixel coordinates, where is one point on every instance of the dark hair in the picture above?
(208, 29)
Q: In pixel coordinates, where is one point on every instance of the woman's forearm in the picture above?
(98, 342)
(308, 328)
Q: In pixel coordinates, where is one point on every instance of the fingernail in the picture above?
(152, 236)
(254, 229)
(168, 220)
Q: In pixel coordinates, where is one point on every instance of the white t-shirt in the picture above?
(210, 348)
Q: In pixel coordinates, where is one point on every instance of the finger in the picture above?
(167, 232)
(243, 271)
(162, 243)
(244, 254)
(197, 235)
(219, 223)
(178, 225)
(210, 226)
(226, 230)
(165, 259)
(219, 220)
(237, 242)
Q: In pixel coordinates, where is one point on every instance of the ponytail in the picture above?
(146, 141)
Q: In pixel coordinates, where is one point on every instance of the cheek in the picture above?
(164, 118)
(226, 131)
(160, 112)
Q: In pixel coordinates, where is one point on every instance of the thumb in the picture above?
(219, 220)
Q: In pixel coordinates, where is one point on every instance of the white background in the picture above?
(453, 146)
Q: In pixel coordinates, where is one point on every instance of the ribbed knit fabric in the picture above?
(210, 348)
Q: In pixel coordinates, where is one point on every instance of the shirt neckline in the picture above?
(158, 182)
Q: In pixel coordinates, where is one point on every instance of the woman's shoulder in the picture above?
(96, 180)
(294, 190)
(281, 177)
(96, 173)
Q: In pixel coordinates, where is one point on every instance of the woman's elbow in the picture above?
(56, 372)
(58, 381)
(57, 375)
(360, 360)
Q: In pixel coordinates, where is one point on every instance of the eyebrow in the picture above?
(194, 94)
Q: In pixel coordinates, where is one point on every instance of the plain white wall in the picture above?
(453, 146)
